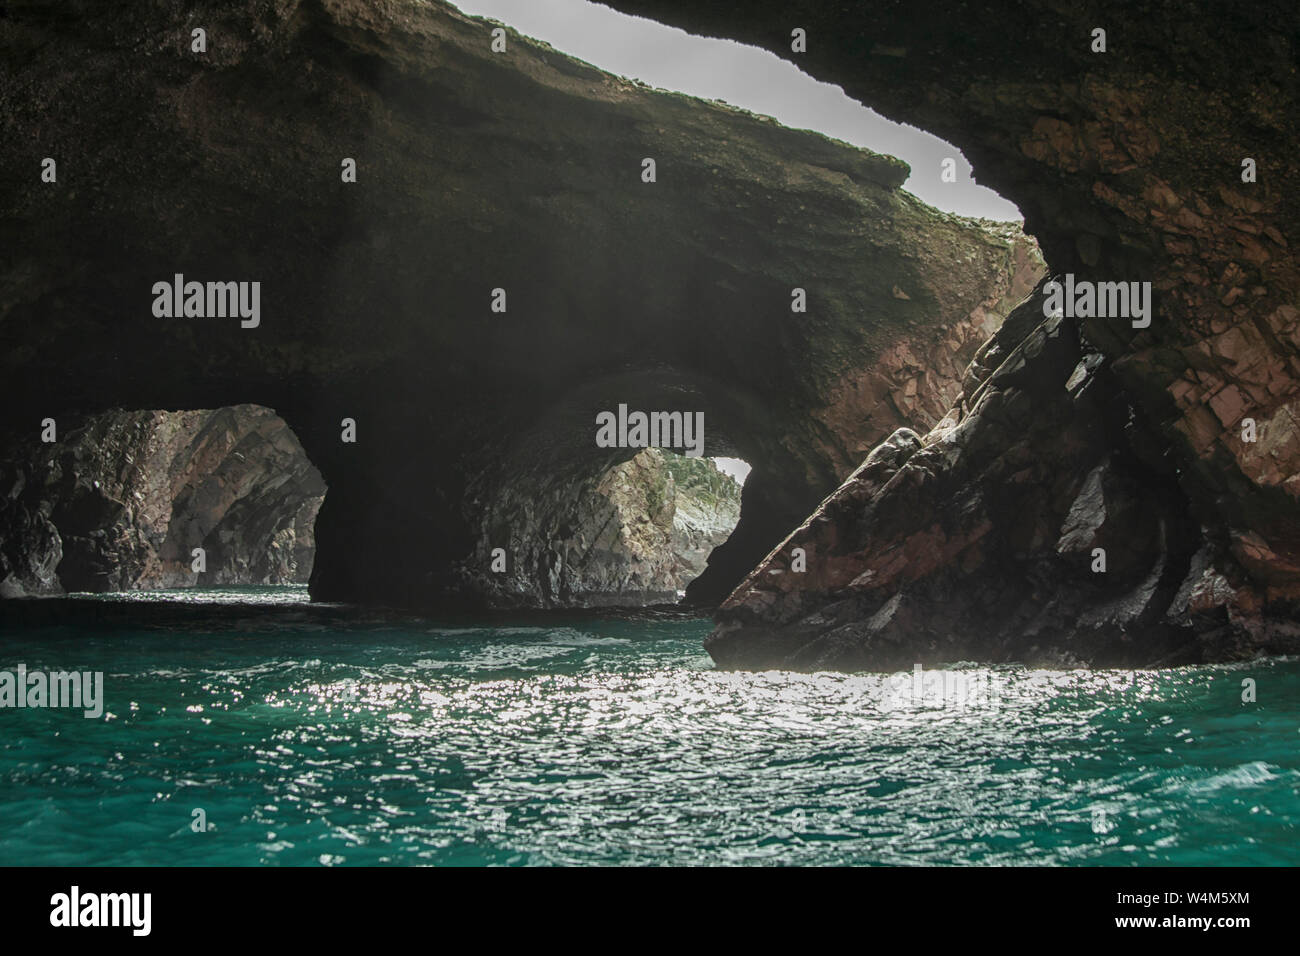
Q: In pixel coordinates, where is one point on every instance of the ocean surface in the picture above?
(323, 736)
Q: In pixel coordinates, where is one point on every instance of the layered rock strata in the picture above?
(1038, 522)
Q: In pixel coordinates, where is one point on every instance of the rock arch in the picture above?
(376, 295)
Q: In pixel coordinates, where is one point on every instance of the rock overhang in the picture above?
(476, 171)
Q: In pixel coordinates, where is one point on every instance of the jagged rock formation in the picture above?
(121, 500)
(1037, 522)
(476, 171)
(636, 535)
(1128, 165)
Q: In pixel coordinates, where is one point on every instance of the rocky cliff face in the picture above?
(1130, 165)
(1038, 522)
(639, 534)
(476, 171)
(121, 500)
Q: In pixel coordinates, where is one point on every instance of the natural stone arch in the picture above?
(376, 294)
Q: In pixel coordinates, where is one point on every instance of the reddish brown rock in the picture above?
(1036, 523)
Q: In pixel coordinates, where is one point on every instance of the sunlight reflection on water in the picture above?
(615, 741)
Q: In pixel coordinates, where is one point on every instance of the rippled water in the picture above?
(592, 740)
(289, 594)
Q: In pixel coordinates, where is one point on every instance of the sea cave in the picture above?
(470, 358)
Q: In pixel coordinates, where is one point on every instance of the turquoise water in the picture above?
(308, 740)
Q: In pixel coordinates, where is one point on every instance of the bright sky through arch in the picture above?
(747, 77)
(737, 468)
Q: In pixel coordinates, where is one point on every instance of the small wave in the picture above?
(1247, 775)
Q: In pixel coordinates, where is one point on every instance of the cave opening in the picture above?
(148, 501)
(633, 532)
(679, 510)
(877, 336)
(809, 302)
(712, 513)
(712, 68)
